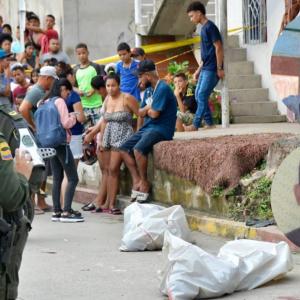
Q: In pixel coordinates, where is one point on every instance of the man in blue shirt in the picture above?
(5, 79)
(126, 69)
(211, 70)
(159, 113)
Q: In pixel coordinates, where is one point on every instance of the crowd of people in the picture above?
(124, 108)
(112, 114)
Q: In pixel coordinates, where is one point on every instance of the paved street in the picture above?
(82, 261)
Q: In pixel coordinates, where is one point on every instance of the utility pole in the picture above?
(138, 21)
(222, 11)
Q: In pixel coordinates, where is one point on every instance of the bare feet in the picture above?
(190, 128)
(41, 203)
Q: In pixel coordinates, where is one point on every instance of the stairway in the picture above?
(165, 17)
(248, 100)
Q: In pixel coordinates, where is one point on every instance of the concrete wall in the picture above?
(102, 25)
(261, 54)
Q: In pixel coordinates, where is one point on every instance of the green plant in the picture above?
(232, 192)
(217, 192)
(174, 67)
(261, 165)
(255, 201)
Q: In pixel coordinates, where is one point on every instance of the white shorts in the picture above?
(76, 146)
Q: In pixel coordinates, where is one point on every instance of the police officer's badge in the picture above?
(5, 152)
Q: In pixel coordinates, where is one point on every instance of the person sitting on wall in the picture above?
(187, 105)
(159, 113)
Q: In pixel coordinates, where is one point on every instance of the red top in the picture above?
(49, 34)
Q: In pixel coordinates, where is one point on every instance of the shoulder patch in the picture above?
(5, 152)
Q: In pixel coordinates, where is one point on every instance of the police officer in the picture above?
(14, 226)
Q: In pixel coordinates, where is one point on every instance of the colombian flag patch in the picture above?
(5, 152)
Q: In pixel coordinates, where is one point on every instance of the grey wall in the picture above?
(101, 24)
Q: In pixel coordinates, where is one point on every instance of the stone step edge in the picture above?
(200, 222)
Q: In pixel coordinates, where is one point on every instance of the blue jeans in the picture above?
(142, 141)
(206, 84)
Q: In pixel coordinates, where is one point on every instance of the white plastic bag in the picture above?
(192, 273)
(257, 262)
(145, 225)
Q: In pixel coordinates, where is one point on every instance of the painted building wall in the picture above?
(102, 25)
(261, 54)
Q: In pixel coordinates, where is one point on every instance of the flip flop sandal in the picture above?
(134, 195)
(38, 211)
(49, 208)
(142, 197)
(88, 207)
(115, 211)
(97, 210)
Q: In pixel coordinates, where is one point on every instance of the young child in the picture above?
(126, 69)
(84, 72)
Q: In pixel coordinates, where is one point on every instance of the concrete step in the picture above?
(236, 54)
(233, 41)
(241, 68)
(248, 95)
(244, 81)
(254, 108)
(259, 119)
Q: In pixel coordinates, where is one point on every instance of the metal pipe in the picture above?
(138, 21)
(22, 21)
(224, 31)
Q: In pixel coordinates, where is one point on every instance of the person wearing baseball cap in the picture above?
(36, 93)
(158, 109)
(5, 78)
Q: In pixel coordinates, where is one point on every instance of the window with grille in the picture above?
(255, 21)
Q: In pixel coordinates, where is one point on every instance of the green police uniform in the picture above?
(10, 122)
(14, 226)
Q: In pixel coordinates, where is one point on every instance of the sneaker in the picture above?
(56, 216)
(71, 217)
(75, 212)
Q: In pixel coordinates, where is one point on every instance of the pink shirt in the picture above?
(67, 120)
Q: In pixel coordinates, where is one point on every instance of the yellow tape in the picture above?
(154, 48)
(173, 57)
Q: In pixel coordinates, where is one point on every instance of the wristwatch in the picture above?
(220, 68)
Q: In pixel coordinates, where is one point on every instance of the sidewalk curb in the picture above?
(206, 224)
